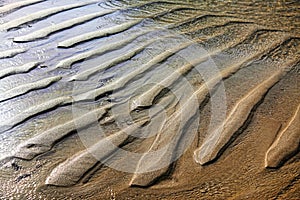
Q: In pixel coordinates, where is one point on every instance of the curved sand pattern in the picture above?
(106, 59)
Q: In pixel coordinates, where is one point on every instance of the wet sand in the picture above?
(149, 99)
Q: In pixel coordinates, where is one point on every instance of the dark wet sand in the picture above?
(227, 64)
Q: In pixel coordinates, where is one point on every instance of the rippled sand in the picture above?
(149, 99)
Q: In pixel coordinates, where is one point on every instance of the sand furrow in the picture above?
(23, 89)
(41, 14)
(32, 111)
(69, 61)
(59, 27)
(66, 63)
(156, 162)
(193, 19)
(84, 75)
(12, 6)
(286, 144)
(122, 81)
(11, 53)
(17, 70)
(173, 10)
(98, 34)
(73, 169)
(146, 99)
(43, 142)
(216, 141)
(171, 129)
(150, 89)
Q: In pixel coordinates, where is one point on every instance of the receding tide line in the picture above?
(41, 14)
(19, 4)
(59, 27)
(286, 144)
(216, 140)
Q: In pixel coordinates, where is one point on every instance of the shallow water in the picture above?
(196, 78)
